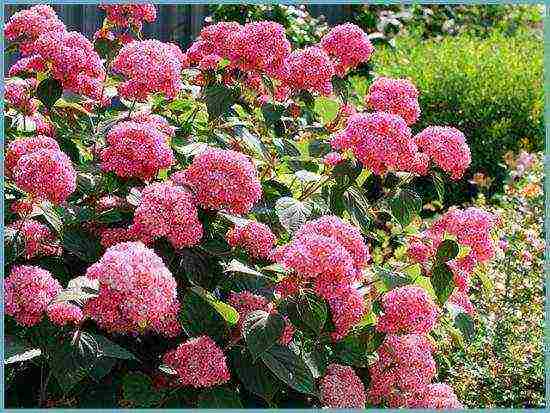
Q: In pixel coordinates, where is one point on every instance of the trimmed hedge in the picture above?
(490, 89)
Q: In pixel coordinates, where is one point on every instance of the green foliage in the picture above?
(489, 89)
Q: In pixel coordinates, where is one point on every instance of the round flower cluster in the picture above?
(382, 142)
(169, 211)
(46, 174)
(21, 147)
(308, 69)
(246, 302)
(332, 159)
(397, 96)
(156, 121)
(341, 388)
(138, 150)
(137, 293)
(437, 396)
(213, 44)
(199, 362)
(447, 148)
(348, 45)
(405, 367)
(26, 26)
(347, 308)
(64, 313)
(407, 310)
(39, 240)
(18, 94)
(126, 15)
(28, 291)
(149, 66)
(345, 234)
(43, 126)
(256, 239)
(72, 60)
(222, 179)
(113, 236)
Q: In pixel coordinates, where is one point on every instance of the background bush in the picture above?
(490, 89)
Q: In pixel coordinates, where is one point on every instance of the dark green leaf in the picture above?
(442, 282)
(392, 279)
(109, 349)
(218, 100)
(405, 205)
(198, 318)
(81, 244)
(49, 91)
(447, 250)
(272, 113)
(356, 204)
(261, 330)
(307, 312)
(17, 350)
(102, 367)
(137, 388)
(439, 185)
(219, 398)
(352, 350)
(466, 325)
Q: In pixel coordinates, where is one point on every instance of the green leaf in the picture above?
(392, 279)
(219, 100)
(447, 250)
(254, 376)
(53, 214)
(307, 312)
(326, 108)
(352, 351)
(465, 324)
(405, 205)
(49, 91)
(289, 368)
(261, 330)
(357, 206)
(341, 87)
(102, 367)
(137, 388)
(17, 350)
(292, 213)
(228, 313)
(219, 398)
(439, 185)
(78, 242)
(272, 113)
(109, 349)
(199, 319)
(442, 282)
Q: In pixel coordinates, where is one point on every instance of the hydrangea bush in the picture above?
(227, 225)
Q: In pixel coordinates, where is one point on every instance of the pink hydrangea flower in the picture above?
(136, 150)
(28, 290)
(213, 43)
(154, 120)
(382, 142)
(348, 45)
(308, 69)
(407, 310)
(397, 96)
(18, 94)
(149, 66)
(332, 159)
(38, 239)
(461, 300)
(43, 126)
(73, 61)
(405, 365)
(137, 293)
(31, 64)
(46, 174)
(447, 148)
(126, 15)
(20, 147)
(169, 211)
(26, 26)
(222, 179)
(347, 307)
(345, 234)
(199, 362)
(113, 236)
(341, 388)
(256, 239)
(64, 313)
(437, 396)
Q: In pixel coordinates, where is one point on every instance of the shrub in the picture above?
(489, 89)
(155, 288)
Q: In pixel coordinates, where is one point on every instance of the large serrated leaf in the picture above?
(292, 213)
(218, 100)
(442, 282)
(261, 330)
(49, 91)
(17, 350)
(219, 398)
(307, 312)
(405, 205)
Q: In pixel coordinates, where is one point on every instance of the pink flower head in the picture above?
(407, 310)
(222, 179)
(461, 300)
(213, 44)
(343, 233)
(73, 61)
(397, 96)
(348, 46)
(38, 239)
(126, 15)
(149, 66)
(18, 93)
(137, 293)
(308, 69)
(260, 46)
(447, 147)
(156, 121)
(46, 174)
(199, 362)
(347, 307)
(136, 150)
(256, 239)
(437, 396)
(64, 313)
(113, 236)
(405, 365)
(341, 388)
(25, 65)
(332, 159)
(28, 291)
(169, 211)
(20, 147)
(26, 26)
(382, 142)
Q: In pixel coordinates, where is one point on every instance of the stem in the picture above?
(43, 385)
(314, 188)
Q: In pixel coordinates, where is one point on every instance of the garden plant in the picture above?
(230, 225)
